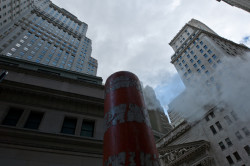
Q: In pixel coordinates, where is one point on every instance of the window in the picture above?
(246, 131)
(13, 49)
(34, 120)
(69, 125)
(214, 56)
(205, 47)
(237, 156)
(189, 71)
(197, 46)
(8, 54)
(12, 117)
(25, 49)
(183, 61)
(195, 65)
(199, 61)
(238, 135)
(188, 56)
(218, 125)
(209, 51)
(203, 67)
(209, 60)
(201, 50)
(234, 115)
(186, 65)
(87, 128)
(205, 55)
(192, 52)
(228, 120)
(207, 72)
(201, 42)
(198, 70)
(191, 60)
(230, 160)
(213, 129)
(222, 146)
(247, 149)
(228, 141)
(195, 57)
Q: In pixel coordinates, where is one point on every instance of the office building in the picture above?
(199, 51)
(41, 32)
(214, 132)
(243, 4)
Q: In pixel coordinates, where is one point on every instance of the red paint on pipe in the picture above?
(128, 139)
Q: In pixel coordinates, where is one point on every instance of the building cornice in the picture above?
(49, 142)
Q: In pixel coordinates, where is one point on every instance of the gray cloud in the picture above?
(134, 35)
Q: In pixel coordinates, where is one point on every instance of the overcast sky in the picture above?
(133, 35)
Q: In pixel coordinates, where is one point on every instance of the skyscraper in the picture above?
(243, 4)
(217, 131)
(41, 32)
(199, 51)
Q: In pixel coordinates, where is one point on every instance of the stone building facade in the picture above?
(49, 116)
(243, 4)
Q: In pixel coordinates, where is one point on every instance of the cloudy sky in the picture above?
(133, 35)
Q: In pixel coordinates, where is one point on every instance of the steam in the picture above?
(231, 87)
(151, 101)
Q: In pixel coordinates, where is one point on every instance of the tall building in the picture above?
(216, 132)
(41, 32)
(243, 4)
(199, 51)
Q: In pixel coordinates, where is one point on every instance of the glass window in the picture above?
(209, 51)
(195, 57)
(246, 131)
(188, 56)
(189, 71)
(213, 129)
(195, 65)
(186, 65)
(8, 54)
(201, 42)
(197, 46)
(205, 55)
(13, 49)
(230, 160)
(183, 61)
(203, 67)
(201, 50)
(228, 141)
(228, 120)
(205, 47)
(87, 128)
(237, 156)
(34, 120)
(222, 146)
(207, 72)
(238, 135)
(192, 52)
(69, 125)
(199, 61)
(198, 70)
(209, 60)
(218, 125)
(214, 56)
(247, 149)
(191, 60)
(12, 117)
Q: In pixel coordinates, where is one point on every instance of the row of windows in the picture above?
(34, 120)
(237, 156)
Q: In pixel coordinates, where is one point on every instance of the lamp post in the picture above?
(3, 74)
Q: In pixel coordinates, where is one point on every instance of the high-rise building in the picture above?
(199, 51)
(217, 132)
(41, 32)
(243, 4)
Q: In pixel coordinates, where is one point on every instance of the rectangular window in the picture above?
(237, 156)
(234, 115)
(12, 117)
(69, 125)
(218, 125)
(238, 135)
(87, 128)
(230, 160)
(198, 70)
(222, 146)
(191, 60)
(201, 42)
(209, 51)
(192, 52)
(195, 65)
(205, 55)
(214, 56)
(213, 129)
(201, 51)
(203, 67)
(205, 47)
(209, 60)
(246, 131)
(247, 149)
(195, 57)
(228, 141)
(34, 120)
(228, 120)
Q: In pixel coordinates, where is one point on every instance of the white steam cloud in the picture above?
(233, 88)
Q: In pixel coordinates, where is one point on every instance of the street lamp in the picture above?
(3, 74)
